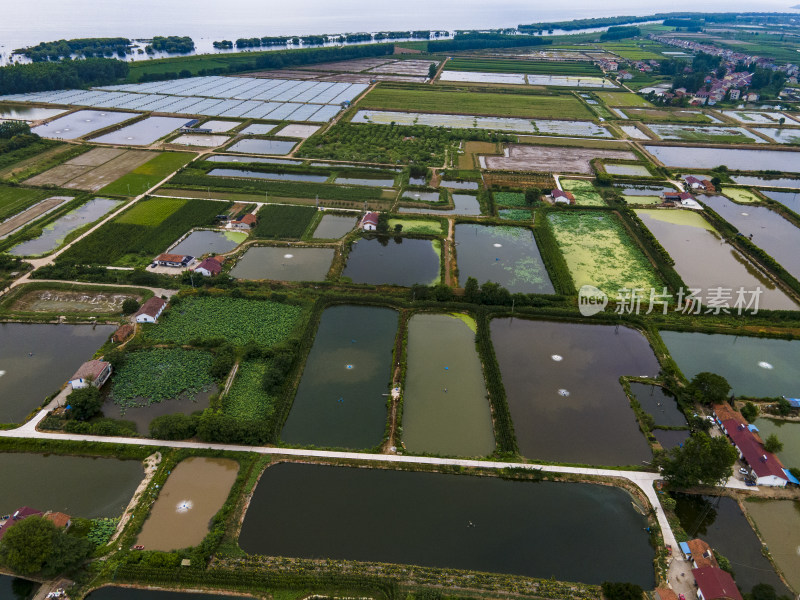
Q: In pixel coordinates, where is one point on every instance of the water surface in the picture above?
(76, 485)
(142, 133)
(445, 407)
(778, 521)
(284, 264)
(658, 402)
(671, 438)
(81, 123)
(755, 367)
(784, 182)
(271, 176)
(788, 432)
(738, 159)
(398, 261)
(36, 360)
(195, 490)
(790, 200)
(564, 377)
(505, 255)
(258, 146)
(464, 522)
(463, 204)
(340, 401)
(14, 588)
(334, 227)
(29, 113)
(202, 242)
(720, 522)
(124, 593)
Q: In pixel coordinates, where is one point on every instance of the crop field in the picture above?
(238, 320)
(146, 230)
(513, 214)
(552, 159)
(421, 226)
(152, 376)
(622, 99)
(151, 212)
(522, 66)
(437, 100)
(147, 175)
(584, 192)
(92, 170)
(509, 198)
(741, 195)
(16, 199)
(674, 116)
(599, 252)
(635, 49)
(247, 398)
(24, 162)
(279, 221)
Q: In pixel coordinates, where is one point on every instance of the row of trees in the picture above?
(43, 76)
(85, 47)
(172, 44)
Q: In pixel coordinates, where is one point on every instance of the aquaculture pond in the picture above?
(201, 242)
(685, 235)
(387, 183)
(719, 521)
(781, 182)
(755, 367)
(459, 185)
(659, 403)
(463, 204)
(766, 229)
(29, 113)
(141, 415)
(629, 170)
(142, 133)
(341, 399)
(671, 438)
(788, 432)
(738, 159)
(125, 593)
(271, 176)
(647, 194)
(36, 360)
(76, 485)
(505, 255)
(445, 407)
(334, 227)
(195, 490)
(778, 522)
(252, 159)
(14, 588)
(599, 252)
(81, 123)
(398, 261)
(565, 377)
(288, 263)
(790, 200)
(258, 146)
(53, 234)
(465, 522)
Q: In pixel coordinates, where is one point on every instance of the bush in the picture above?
(749, 411)
(84, 403)
(173, 427)
(622, 591)
(709, 388)
(130, 306)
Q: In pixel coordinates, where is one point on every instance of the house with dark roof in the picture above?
(20, 515)
(210, 266)
(93, 372)
(715, 584)
(150, 310)
(173, 260)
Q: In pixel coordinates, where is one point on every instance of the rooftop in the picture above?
(151, 307)
(716, 583)
(92, 368)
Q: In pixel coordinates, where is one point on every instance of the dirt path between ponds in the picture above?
(150, 467)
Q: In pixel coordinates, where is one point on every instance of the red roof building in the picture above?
(562, 197)
(370, 221)
(210, 266)
(150, 310)
(20, 515)
(93, 372)
(59, 519)
(715, 584)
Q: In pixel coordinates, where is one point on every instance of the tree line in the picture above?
(64, 74)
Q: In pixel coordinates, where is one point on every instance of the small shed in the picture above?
(150, 310)
(93, 372)
(122, 334)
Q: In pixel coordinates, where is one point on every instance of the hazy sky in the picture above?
(55, 19)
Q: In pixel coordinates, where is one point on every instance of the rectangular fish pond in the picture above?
(395, 261)
(81, 123)
(738, 159)
(790, 200)
(341, 400)
(463, 204)
(194, 492)
(476, 523)
(659, 403)
(628, 170)
(201, 242)
(445, 407)
(755, 367)
(37, 359)
(271, 176)
(53, 234)
(564, 377)
(259, 146)
(508, 256)
(288, 263)
(128, 593)
(778, 521)
(334, 227)
(687, 235)
(142, 133)
(76, 485)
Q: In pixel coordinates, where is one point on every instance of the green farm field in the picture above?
(247, 398)
(635, 49)
(475, 103)
(622, 99)
(144, 177)
(16, 199)
(280, 221)
(584, 192)
(522, 66)
(151, 212)
(238, 320)
(509, 198)
(421, 226)
(599, 252)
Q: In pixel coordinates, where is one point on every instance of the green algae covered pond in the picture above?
(545, 529)
(600, 252)
(340, 401)
(505, 255)
(445, 407)
(778, 521)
